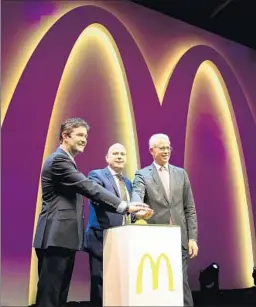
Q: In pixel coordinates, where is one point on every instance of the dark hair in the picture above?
(69, 124)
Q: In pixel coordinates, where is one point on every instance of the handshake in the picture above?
(142, 211)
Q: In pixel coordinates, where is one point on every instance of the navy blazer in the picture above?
(104, 217)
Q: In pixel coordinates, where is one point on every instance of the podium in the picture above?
(142, 266)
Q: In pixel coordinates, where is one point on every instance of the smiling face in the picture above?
(116, 157)
(161, 151)
(75, 140)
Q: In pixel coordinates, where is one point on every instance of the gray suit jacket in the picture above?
(61, 221)
(179, 205)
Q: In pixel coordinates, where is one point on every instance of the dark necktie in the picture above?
(122, 187)
(123, 195)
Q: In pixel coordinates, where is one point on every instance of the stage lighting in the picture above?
(254, 275)
(209, 278)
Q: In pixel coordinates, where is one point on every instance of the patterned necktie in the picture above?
(123, 195)
(122, 187)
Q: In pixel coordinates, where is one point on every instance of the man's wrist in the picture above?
(123, 207)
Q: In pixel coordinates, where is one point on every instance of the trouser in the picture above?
(55, 268)
(94, 239)
(188, 299)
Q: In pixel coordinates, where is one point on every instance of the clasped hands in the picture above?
(141, 210)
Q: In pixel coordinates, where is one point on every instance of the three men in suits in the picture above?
(103, 217)
(167, 190)
(60, 227)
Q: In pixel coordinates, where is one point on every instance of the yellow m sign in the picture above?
(155, 272)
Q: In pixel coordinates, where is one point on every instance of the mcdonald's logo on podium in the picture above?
(154, 265)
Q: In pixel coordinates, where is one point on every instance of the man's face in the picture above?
(116, 157)
(161, 152)
(75, 141)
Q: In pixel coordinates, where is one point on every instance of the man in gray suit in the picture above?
(59, 232)
(167, 190)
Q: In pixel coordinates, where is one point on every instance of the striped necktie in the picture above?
(122, 187)
(123, 195)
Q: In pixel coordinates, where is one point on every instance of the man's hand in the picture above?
(192, 249)
(134, 207)
(144, 214)
(142, 211)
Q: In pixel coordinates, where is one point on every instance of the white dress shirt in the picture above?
(163, 172)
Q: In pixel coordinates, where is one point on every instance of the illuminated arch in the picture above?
(236, 125)
(122, 105)
(42, 114)
(58, 56)
(244, 235)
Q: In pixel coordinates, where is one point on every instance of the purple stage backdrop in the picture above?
(130, 72)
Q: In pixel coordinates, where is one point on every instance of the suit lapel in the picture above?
(158, 182)
(128, 185)
(171, 181)
(63, 151)
(112, 181)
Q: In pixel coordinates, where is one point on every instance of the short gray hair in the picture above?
(155, 138)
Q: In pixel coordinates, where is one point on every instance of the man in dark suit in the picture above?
(167, 190)
(59, 232)
(102, 217)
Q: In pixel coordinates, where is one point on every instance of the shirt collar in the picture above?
(159, 166)
(72, 158)
(113, 173)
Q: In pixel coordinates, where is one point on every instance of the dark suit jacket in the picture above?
(148, 188)
(61, 221)
(104, 217)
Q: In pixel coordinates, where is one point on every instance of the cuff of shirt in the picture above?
(122, 207)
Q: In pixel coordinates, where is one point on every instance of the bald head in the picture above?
(116, 157)
(116, 146)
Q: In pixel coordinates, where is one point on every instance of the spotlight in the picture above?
(209, 278)
(254, 275)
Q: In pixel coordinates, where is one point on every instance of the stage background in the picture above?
(130, 72)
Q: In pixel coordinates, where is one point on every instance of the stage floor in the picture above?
(239, 297)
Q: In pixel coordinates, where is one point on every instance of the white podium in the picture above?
(142, 266)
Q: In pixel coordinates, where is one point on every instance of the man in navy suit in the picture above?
(103, 217)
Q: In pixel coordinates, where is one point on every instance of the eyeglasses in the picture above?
(165, 148)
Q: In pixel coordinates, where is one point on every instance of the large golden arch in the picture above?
(238, 170)
(209, 75)
(122, 104)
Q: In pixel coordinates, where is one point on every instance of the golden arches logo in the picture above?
(155, 272)
(245, 232)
